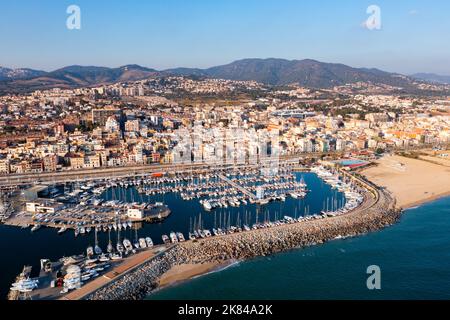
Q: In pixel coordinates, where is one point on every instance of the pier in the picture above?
(236, 186)
(122, 269)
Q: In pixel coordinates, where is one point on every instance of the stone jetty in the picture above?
(376, 212)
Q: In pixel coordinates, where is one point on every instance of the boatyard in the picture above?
(230, 196)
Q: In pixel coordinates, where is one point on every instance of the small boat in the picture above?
(207, 233)
(36, 227)
(207, 206)
(90, 251)
(142, 243)
(127, 244)
(120, 248)
(25, 285)
(85, 277)
(149, 242)
(110, 248)
(173, 237)
(98, 250)
(202, 233)
(165, 239)
(62, 230)
(294, 195)
(180, 237)
(116, 256)
(91, 261)
(103, 258)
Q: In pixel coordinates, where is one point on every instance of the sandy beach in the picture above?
(185, 272)
(412, 182)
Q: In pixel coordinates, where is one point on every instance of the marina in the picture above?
(110, 244)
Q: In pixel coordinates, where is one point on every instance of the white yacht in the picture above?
(120, 248)
(127, 244)
(142, 243)
(165, 239)
(180, 237)
(207, 206)
(173, 237)
(103, 258)
(149, 242)
(62, 230)
(25, 285)
(116, 256)
(90, 251)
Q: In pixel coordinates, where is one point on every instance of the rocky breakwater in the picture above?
(375, 213)
(367, 218)
(135, 285)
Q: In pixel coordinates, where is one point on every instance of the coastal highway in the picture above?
(130, 171)
(13, 180)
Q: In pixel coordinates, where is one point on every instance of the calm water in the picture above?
(414, 257)
(21, 247)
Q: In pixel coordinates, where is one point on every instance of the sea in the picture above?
(413, 255)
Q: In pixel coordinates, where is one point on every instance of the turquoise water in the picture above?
(351, 162)
(414, 257)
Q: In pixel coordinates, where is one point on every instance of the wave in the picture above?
(220, 268)
(412, 208)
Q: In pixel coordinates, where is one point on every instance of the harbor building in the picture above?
(43, 206)
(141, 212)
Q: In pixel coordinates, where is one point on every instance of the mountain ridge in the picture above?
(19, 73)
(270, 71)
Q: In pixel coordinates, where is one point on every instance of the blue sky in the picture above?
(200, 33)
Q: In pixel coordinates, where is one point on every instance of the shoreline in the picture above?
(426, 201)
(413, 182)
(200, 257)
(193, 272)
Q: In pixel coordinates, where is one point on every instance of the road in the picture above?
(123, 172)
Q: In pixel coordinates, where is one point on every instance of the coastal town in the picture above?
(104, 160)
(223, 159)
(140, 123)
